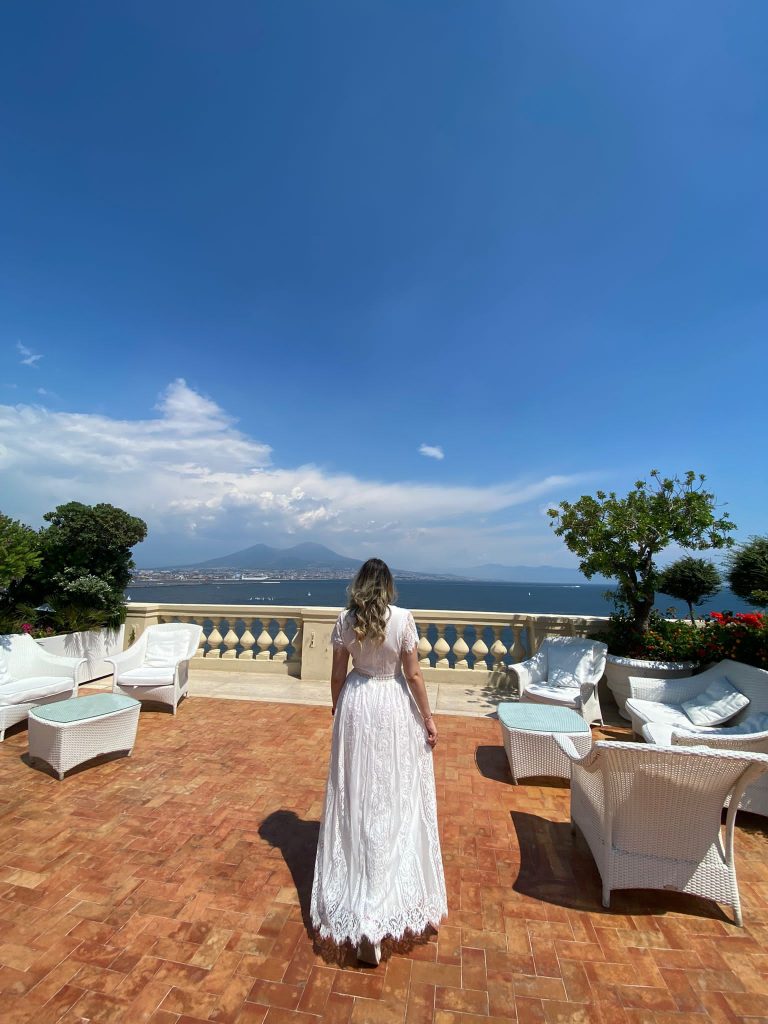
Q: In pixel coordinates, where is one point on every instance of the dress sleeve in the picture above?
(410, 636)
(337, 640)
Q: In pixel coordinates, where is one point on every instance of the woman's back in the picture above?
(372, 658)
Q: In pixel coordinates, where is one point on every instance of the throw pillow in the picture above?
(719, 702)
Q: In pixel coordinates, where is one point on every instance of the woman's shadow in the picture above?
(297, 841)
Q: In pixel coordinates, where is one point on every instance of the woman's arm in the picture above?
(412, 672)
(338, 674)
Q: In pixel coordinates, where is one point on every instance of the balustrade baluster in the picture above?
(214, 642)
(230, 642)
(295, 658)
(498, 648)
(281, 641)
(460, 649)
(247, 640)
(480, 650)
(517, 651)
(441, 649)
(425, 649)
(264, 642)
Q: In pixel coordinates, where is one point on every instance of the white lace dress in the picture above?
(379, 872)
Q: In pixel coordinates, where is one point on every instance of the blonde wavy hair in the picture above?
(370, 594)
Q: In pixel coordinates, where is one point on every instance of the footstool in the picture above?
(528, 730)
(69, 732)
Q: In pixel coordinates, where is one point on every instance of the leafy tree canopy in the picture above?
(620, 537)
(747, 571)
(691, 580)
(96, 539)
(19, 550)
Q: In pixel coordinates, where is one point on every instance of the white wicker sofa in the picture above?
(30, 676)
(656, 709)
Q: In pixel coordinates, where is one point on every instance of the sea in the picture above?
(449, 595)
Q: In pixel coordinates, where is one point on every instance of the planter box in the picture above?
(93, 644)
(618, 670)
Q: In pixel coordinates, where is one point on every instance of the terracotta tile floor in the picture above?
(172, 887)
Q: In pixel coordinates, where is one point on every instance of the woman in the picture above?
(378, 871)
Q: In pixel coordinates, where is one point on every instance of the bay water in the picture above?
(453, 595)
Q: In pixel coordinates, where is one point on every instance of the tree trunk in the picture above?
(692, 614)
(641, 613)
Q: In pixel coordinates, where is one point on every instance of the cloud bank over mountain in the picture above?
(200, 483)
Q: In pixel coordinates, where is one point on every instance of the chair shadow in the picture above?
(557, 867)
(297, 841)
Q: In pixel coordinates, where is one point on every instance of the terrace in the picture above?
(173, 887)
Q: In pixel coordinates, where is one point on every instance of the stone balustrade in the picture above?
(458, 646)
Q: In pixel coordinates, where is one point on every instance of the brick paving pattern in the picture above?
(173, 887)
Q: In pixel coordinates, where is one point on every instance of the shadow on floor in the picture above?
(297, 841)
(557, 867)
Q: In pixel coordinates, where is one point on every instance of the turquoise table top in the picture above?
(541, 718)
(78, 709)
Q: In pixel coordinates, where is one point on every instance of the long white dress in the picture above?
(379, 871)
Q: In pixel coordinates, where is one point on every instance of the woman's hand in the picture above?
(429, 725)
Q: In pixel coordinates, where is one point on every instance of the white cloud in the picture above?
(191, 473)
(431, 451)
(28, 357)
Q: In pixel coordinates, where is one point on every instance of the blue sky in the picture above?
(257, 259)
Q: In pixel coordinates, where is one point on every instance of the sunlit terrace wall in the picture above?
(295, 641)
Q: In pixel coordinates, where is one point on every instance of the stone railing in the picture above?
(296, 641)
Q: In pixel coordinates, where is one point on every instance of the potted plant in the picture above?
(621, 538)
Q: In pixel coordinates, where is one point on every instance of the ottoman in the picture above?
(528, 730)
(69, 732)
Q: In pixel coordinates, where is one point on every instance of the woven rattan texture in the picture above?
(172, 887)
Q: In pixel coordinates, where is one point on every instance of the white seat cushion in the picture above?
(5, 675)
(665, 714)
(719, 702)
(568, 696)
(147, 676)
(22, 691)
(167, 648)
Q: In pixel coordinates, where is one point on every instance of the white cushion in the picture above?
(719, 702)
(148, 676)
(567, 663)
(754, 723)
(166, 649)
(5, 675)
(655, 711)
(22, 691)
(567, 696)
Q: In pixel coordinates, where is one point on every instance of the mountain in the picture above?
(300, 557)
(527, 574)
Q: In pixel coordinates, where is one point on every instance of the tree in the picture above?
(19, 550)
(86, 564)
(690, 579)
(620, 537)
(747, 571)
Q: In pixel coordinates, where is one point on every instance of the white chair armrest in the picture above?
(63, 665)
(568, 747)
(527, 672)
(666, 691)
(132, 658)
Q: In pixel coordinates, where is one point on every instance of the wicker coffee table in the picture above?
(70, 732)
(528, 731)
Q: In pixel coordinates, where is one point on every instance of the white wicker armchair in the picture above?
(30, 676)
(156, 667)
(564, 672)
(652, 815)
